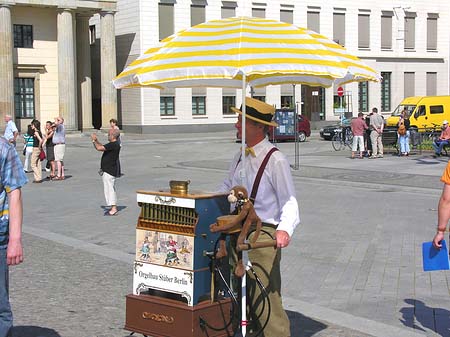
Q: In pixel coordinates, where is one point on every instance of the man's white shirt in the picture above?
(276, 201)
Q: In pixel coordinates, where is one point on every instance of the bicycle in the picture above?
(431, 132)
(338, 142)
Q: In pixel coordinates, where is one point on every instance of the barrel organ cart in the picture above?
(174, 292)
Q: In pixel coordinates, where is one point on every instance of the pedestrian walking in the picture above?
(11, 251)
(443, 208)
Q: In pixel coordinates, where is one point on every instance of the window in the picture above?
(386, 30)
(260, 98)
(198, 105)
(421, 111)
(167, 105)
(386, 92)
(410, 30)
(409, 84)
(23, 36)
(24, 97)
(166, 21)
(339, 28)
(363, 31)
(287, 16)
(431, 84)
(313, 21)
(228, 9)
(227, 103)
(197, 15)
(258, 13)
(363, 96)
(436, 109)
(432, 31)
(287, 102)
(92, 35)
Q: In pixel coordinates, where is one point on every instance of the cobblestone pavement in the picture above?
(352, 269)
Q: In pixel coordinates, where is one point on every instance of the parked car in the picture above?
(285, 129)
(327, 132)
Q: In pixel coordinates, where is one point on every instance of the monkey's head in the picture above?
(238, 194)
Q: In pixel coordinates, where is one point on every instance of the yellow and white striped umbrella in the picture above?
(218, 53)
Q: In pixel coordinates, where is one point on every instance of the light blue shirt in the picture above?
(11, 177)
(59, 136)
(10, 129)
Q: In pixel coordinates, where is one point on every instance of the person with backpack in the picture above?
(403, 133)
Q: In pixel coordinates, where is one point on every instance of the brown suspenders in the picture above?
(259, 174)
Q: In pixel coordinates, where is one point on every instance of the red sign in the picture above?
(340, 91)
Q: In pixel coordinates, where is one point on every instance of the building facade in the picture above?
(45, 61)
(408, 44)
(57, 57)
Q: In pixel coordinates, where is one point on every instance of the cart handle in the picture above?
(262, 244)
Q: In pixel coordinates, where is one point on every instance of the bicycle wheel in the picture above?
(349, 140)
(336, 141)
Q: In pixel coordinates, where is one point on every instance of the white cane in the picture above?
(247, 263)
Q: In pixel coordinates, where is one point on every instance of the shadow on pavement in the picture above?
(435, 319)
(303, 326)
(33, 331)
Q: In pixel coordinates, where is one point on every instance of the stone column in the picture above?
(108, 68)
(66, 69)
(6, 64)
(84, 71)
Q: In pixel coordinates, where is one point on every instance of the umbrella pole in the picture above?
(243, 180)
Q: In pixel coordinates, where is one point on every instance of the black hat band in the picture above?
(256, 114)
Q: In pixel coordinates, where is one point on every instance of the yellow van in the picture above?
(424, 111)
(409, 103)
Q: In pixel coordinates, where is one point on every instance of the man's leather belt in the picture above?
(271, 225)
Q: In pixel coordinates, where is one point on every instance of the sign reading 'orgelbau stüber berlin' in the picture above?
(149, 276)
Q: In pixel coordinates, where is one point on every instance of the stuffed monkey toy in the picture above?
(246, 217)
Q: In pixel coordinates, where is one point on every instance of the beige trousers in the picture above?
(36, 164)
(266, 264)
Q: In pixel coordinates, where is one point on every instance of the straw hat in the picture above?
(258, 111)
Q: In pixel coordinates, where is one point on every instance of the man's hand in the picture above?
(437, 240)
(14, 253)
(93, 137)
(282, 238)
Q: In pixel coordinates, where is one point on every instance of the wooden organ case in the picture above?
(172, 277)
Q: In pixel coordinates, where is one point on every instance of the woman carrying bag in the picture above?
(38, 140)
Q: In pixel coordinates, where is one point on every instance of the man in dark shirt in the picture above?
(109, 170)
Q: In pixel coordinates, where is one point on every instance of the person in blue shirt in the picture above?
(12, 178)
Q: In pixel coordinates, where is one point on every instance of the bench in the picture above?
(389, 139)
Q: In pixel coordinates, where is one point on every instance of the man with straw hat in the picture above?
(267, 174)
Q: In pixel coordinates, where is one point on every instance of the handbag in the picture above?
(24, 150)
(42, 155)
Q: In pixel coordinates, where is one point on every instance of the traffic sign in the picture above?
(340, 91)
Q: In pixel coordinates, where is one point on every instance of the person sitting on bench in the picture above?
(443, 140)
